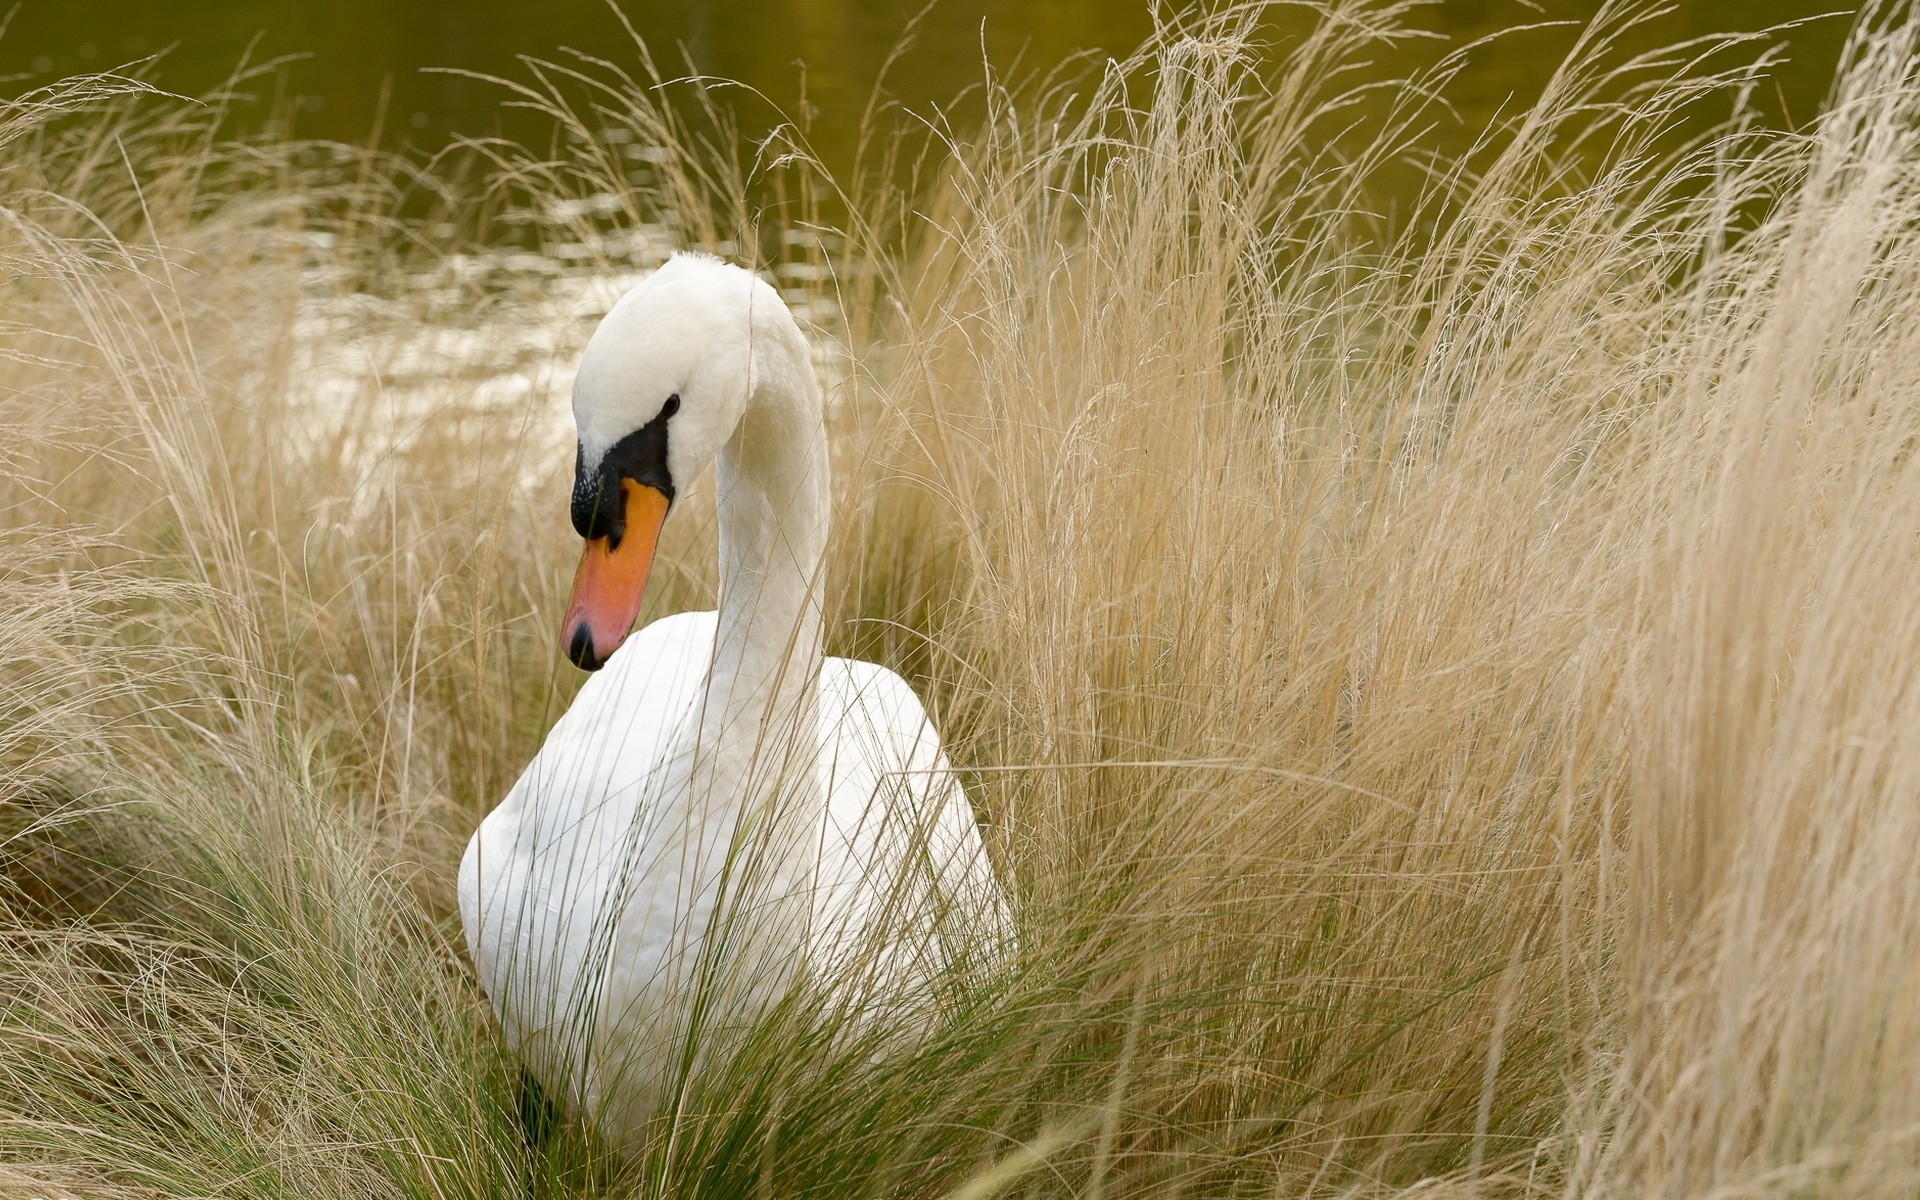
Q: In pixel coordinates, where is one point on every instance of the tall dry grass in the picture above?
(1438, 688)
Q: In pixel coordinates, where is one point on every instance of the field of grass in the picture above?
(1441, 678)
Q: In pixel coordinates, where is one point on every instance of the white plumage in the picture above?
(722, 809)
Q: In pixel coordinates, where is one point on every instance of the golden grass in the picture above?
(1440, 690)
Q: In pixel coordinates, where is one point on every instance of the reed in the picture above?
(1437, 684)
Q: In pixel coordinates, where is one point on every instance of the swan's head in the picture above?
(664, 381)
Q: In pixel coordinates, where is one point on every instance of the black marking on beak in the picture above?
(640, 456)
(580, 650)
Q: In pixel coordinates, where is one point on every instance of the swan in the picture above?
(723, 810)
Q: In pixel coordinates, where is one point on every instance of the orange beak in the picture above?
(612, 579)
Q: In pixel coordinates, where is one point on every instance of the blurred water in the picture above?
(377, 366)
(363, 72)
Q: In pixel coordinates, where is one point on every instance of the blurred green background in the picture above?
(817, 58)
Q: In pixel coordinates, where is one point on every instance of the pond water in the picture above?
(365, 73)
(823, 53)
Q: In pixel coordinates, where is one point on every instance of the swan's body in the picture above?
(722, 810)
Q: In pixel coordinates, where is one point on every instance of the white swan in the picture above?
(721, 808)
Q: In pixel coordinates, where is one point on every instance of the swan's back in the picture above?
(903, 876)
(582, 897)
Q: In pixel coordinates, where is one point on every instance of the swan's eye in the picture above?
(672, 405)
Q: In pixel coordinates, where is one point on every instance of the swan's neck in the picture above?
(773, 516)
